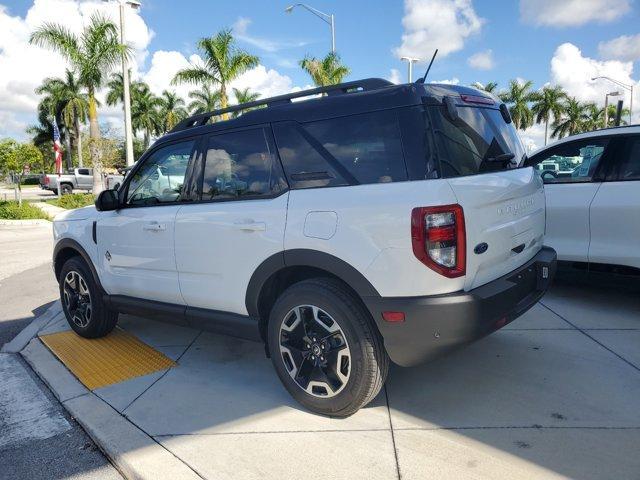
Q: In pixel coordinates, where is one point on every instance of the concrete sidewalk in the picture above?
(555, 394)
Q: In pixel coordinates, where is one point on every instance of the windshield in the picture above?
(477, 141)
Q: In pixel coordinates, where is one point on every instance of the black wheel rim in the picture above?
(77, 299)
(315, 351)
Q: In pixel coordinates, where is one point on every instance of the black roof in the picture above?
(338, 100)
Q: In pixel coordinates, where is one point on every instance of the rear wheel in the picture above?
(82, 301)
(325, 348)
(66, 189)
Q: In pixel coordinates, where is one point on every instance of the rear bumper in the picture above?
(435, 325)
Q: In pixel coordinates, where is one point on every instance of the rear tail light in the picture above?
(46, 180)
(438, 238)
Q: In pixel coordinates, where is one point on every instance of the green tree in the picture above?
(244, 96)
(204, 100)
(172, 110)
(548, 104)
(15, 157)
(574, 119)
(92, 54)
(611, 116)
(325, 71)
(7, 146)
(517, 98)
(223, 63)
(145, 116)
(487, 87)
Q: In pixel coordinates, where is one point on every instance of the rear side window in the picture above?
(477, 141)
(241, 164)
(357, 149)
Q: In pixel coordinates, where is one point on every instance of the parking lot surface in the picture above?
(552, 395)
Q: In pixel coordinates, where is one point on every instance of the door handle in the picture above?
(250, 226)
(154, 227)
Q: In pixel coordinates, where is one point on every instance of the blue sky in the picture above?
(513, 38)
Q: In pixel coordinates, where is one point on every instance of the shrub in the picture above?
(12, 211)
(31, 181)
(74, 200)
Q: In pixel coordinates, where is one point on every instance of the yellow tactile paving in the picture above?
(104, 361)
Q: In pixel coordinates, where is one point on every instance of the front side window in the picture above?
(161, 178)
(628, 165)
(570, 162)
(241, 164)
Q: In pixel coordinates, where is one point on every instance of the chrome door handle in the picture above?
(250, 226)
(154, 227)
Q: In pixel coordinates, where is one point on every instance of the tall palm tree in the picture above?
(574, 118)
(204, 100)
(611, 116)
(244, 96)
(223, 63)
(42, 135)
(171, 110)
(145, 116)
(325, 71)
(487, 87)
(517, 97)
(92, 54)
(548, 103)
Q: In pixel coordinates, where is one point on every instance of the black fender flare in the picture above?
(304, 258)
(69, 243)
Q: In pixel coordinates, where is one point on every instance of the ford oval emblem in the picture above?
(481, 248)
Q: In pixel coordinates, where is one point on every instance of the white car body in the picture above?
(595, 221)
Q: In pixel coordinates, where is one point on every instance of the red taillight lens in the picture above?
(439, 240)
(46, 180)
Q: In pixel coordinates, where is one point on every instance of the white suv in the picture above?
(374, 222)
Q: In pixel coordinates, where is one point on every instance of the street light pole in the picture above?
(325, 17)
(128, 130)
(410, 62)
(625, 86)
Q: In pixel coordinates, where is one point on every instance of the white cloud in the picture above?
(394, 76)
(533, 137)
(441, 24)
(267, 82)
(450, 81)
(482, 60)
(240, 31)
(571, 13)
(625, 47)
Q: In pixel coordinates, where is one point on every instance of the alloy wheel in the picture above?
(77, 299)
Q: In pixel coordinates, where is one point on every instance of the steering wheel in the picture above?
(549, 174)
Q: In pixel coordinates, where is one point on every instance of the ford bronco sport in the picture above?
(370, 222)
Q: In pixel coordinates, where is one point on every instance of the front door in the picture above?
(238, 224)
(136, 242)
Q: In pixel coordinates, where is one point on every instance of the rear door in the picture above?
(478, 151)
(570, 189)
(238, 223)
(615, 210)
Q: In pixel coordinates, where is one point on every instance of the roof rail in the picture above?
(331, 90)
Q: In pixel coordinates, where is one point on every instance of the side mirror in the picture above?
(107, 200)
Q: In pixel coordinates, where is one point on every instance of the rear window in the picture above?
(357, 149)
(477, 141)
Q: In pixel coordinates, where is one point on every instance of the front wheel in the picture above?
(325, 348)
(82, 301)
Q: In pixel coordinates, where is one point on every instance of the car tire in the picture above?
(317, 316)
(66, 189)
(82, 301)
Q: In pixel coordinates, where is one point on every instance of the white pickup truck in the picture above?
(80, 179)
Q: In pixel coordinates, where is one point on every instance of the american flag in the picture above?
(57, 147)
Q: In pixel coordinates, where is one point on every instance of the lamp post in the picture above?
(126, 100)
(606, 106)
(410, 62)
(325, 17)
(626, 87)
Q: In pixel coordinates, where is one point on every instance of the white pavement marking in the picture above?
(25, 412)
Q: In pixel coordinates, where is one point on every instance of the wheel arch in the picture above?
(68, 248)
(283, 269)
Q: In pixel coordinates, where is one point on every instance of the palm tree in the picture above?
(488, 87)
(91, 55)
(50, 106)
(171, 110)
(145, 116)
(611, 116)
(574, 119)
(223, 63)
(325, 71)
(244, 96)
(204, 100)
(548, 103)
(517, 97)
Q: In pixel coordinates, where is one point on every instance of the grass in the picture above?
(12, 211)
(74, 200)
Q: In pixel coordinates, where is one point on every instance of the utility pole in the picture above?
(410, 62)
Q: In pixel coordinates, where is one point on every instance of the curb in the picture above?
(18, 223)
(135, 454)
(21, 340)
